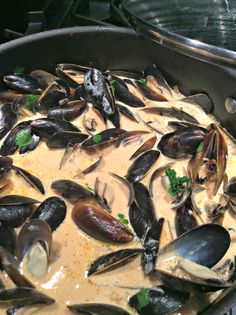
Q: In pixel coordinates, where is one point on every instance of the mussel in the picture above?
(97, 309)
(61, 139)
(69, 111)
(141, 165)
(7, 119)
(91, 218)
(5, 165)
(52, 210)
(23, 83)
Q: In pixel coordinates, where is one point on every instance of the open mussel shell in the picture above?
(52, 210)
(190, 285)
(71, 191)
(7, 118)
(126, 183)
(32, 180)
(23, 83)
(5, 165)
(203, 240)
(10, 265)
(43, 77)
(184, 219)
(147, 145)
(46, 127)
(108, 136)
(97, 309)
(159, 300)
(71, 73)
(9, 146)
(113, 260)
(127, 113)
(139, 168)
(68, 112)
(95, 221)
(32, 232)
(24, 296)
(61, 139)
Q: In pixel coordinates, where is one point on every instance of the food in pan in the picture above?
(118, 195)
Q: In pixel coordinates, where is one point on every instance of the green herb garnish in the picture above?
(19, 70)
(31, 101)
(112, 84)
(142, 81)
(176, 183)
(200, 147)
(143, 298)
(97, 138)
(89, 187)
(23, 138)
(123, 219)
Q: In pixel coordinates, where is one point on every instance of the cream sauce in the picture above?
(72, 250)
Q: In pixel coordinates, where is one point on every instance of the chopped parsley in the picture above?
(23, 138)
(123, 219)
(112, 84)
(31, 101)
(19, 70)
(143, 298)
(97, 138)
(142, 81)
(88, 187)
(200, 147)
(176, 183)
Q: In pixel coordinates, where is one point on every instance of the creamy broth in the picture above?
(73, 251)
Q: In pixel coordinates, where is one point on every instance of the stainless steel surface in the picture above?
(213, 21)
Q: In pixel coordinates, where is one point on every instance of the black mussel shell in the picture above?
(71, 190)
(9, 144)
(13, 309)
(5, 165)
(23, 83)
(127, 113)
(7, 119)
(181, 143)
(31, 146)
(157, 74)
(190, 285)
(61, 139)
(34, 181)
(99, 92)
(230, 188)
(15, 215)
(112, 259)
(71, 73)
(52, 210)
(201, 99)
(8, 237)
(97, 309)
(24, 296)
(151, 246)
(144, 202)
(43, 77)
(33, 231)
(147, 145)
(158, 301)
(203, 240)
(45, 127)
(68, 112)
(137, 220)
(115, 119)
(108, 136)
(184, 219)
(123, 94)
(16, 200)
(141, 165)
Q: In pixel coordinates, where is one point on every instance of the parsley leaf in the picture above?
(23, 138)
(97, 138)
(112, 84)
(176, 183)
(19, 70)
(143, 298)
(31, 101)
(142, 81)
(123, 219)
(200, 147)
